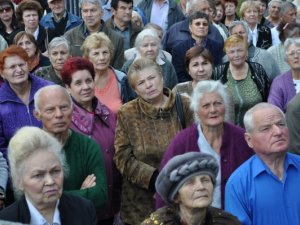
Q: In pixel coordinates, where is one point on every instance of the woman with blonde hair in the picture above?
(247, 81)
(111, 86)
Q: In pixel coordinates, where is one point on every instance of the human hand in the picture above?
(90, 181)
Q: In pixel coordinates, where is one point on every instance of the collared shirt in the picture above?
(159, 14)
(58, 20)
(36, 217)
(125, 34)
(36, 33)
(253, 35)
(258, 197)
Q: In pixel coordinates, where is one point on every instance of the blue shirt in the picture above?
(257, 197)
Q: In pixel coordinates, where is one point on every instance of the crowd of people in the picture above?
(152, 112)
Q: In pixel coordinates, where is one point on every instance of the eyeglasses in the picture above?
(292, 53)
(14, 67)
(6, 9)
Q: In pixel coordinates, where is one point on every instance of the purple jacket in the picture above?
(234, 151)
(282, 90)
(14, 114)
(100, 126)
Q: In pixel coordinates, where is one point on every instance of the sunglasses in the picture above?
(6, 9)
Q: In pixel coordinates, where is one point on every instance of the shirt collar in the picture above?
(64, 16)
(36, 217)
(36, 33)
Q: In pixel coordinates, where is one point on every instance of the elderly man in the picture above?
(121, 21)
(180, 31)
(274, 12)
(59, 19)
(255, 54)
(53, 107)
(265, 189)
(92, 12)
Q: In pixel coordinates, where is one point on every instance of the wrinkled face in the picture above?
(15, 70)
(199, 28)
(91, 14)
(219, 13)
(149, 48)
(200, 69)
(274, 10)
(196, 193)
(237, 54)
(100, 57)
(251, 16)
(262, 7)
(82, 87)
(289, 16)
(25, 43)
(211, 110)
(149, 85)
(270, 134)
(57, 6)
(55, 111)
(123, 12)
(31, 19)
(58, 56)
(202, 6)
(293, 56)
(42, 180)
(229, 8)
(6, 13)
(136, 19)
(239, 30)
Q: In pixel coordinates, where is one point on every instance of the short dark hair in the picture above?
(198, 15)
(29, 5)
(73, 65)
(114, 3)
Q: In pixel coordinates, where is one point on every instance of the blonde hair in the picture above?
(248, 5)
(96, 40)
(234, 40)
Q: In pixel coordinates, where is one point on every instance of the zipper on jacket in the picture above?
(160, 113)
(28, 112)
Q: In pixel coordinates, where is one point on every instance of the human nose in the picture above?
(49, 179)
(277, 129)
(58, 112)
(148, 84)
(199, 184)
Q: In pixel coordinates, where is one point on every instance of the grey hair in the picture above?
(287, 43)
(248, 117)
(95, 2)
(208, 86)
(149, 32)
(57, 41)
(37, 95)
(27, 142)
(285, 6)
(235, 23)
(190, 6)
(274, 1)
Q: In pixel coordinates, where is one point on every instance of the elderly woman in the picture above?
(230, 14)
(187, 183)
(59, 52)
(291, 30)
(144, 129)
(287, 85)
(29, 44)
(259, 35)
(29, 13)
(37, 167)
(9, 25)
(16, 94)
(94, 119)
(199, 65)
(147, 44)
(198, 26)
(255, 54)
(212, 135)
(111, 86)
(247, 81)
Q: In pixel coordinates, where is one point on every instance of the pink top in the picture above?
(110, 95)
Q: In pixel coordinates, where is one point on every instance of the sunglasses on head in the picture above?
(5, 9)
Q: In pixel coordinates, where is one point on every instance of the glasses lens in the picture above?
(6, 9)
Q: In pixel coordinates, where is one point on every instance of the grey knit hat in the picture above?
(182, 167)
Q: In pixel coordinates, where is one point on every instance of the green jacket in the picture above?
(84, 157)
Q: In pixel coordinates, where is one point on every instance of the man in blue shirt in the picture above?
(265, 189)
